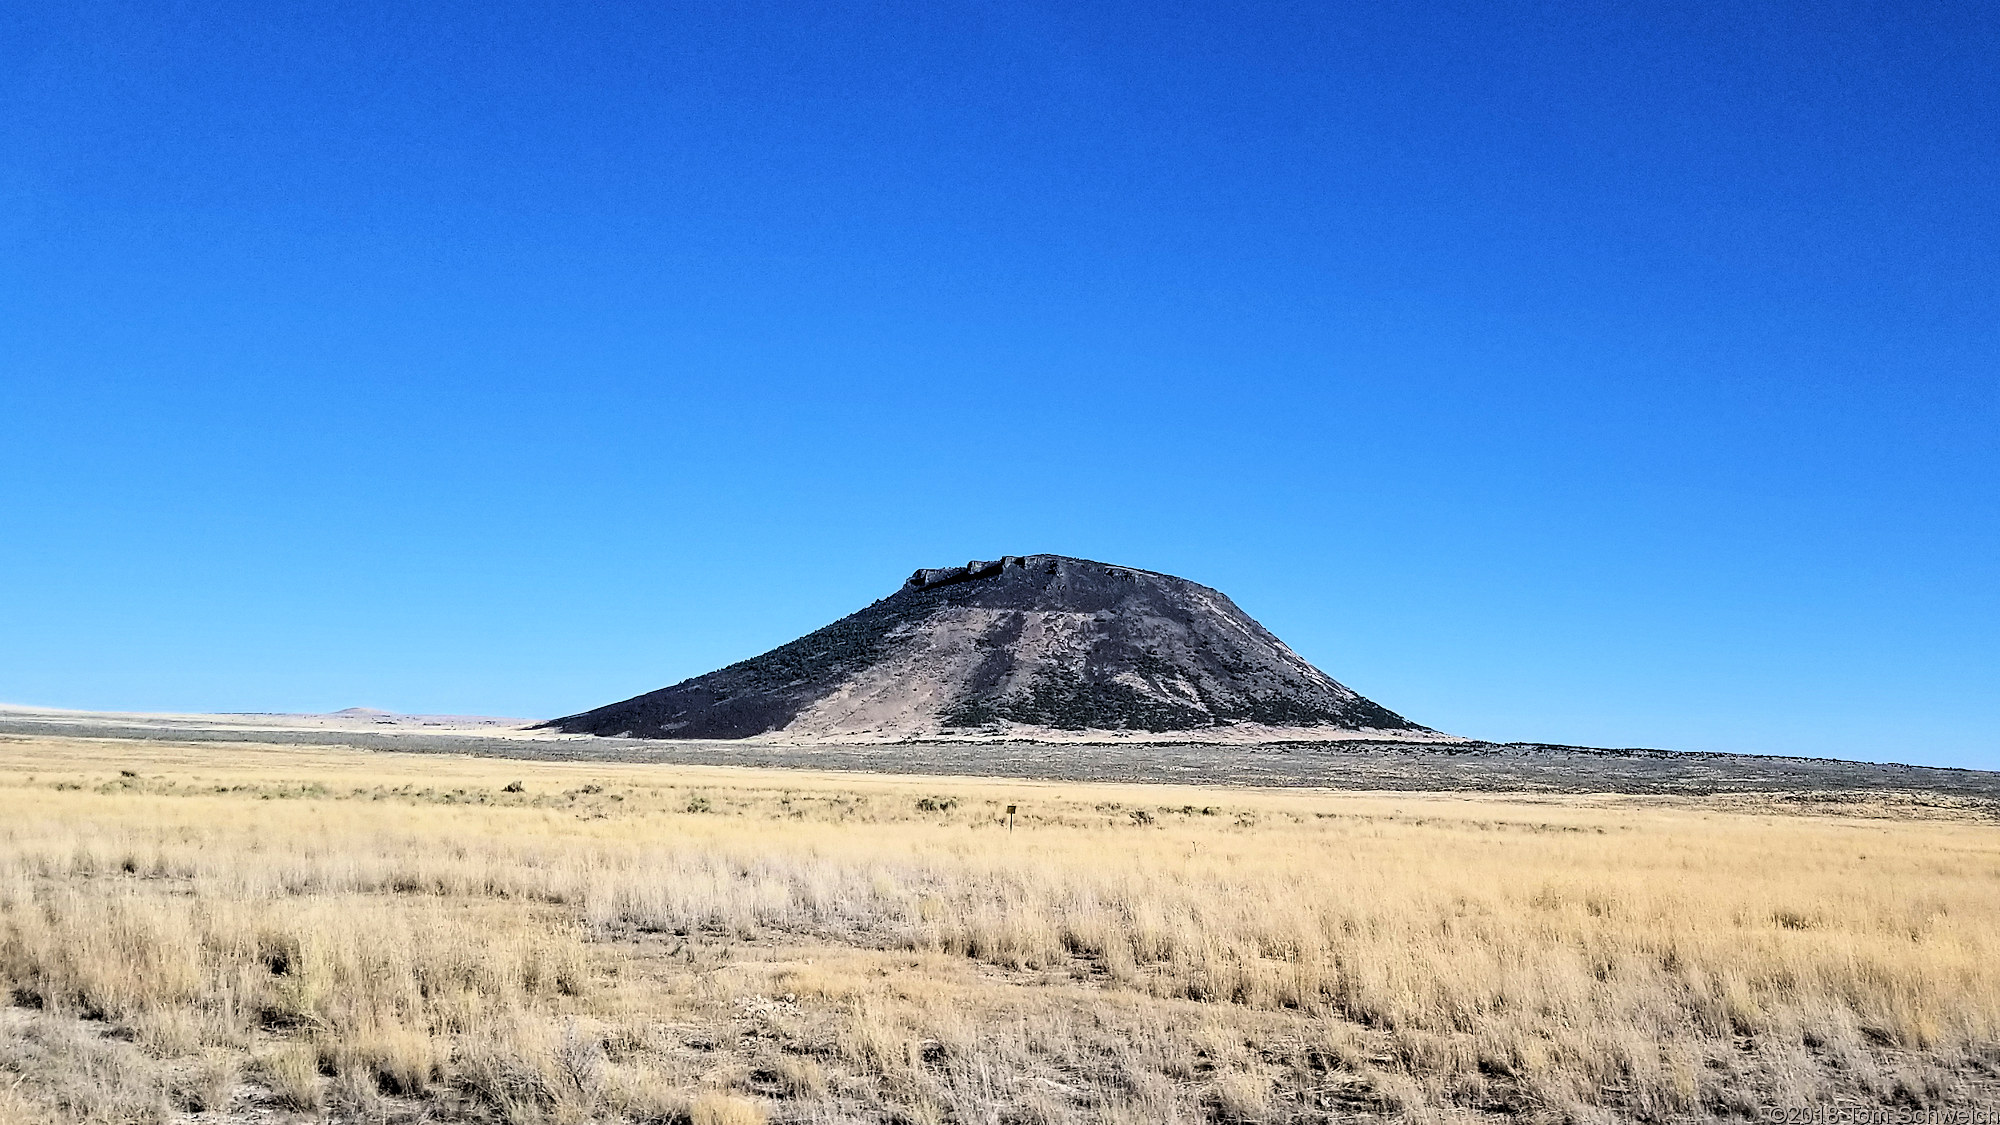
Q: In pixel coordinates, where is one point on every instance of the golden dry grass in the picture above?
(382, 937)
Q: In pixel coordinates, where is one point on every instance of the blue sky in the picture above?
(1613, 374)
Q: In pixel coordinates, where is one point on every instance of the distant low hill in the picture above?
(1022, 647)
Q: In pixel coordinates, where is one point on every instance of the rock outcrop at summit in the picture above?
(1018, 647)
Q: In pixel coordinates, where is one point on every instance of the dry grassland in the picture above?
(244, 934)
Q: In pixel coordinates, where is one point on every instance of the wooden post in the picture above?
(1010, 818)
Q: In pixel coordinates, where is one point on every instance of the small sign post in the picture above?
(1010, 818)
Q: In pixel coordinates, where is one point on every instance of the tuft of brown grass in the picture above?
(291, 1073)
(240, 930)
(722, 1109)
(208, 1084)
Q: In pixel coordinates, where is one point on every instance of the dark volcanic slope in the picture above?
(1015, 645)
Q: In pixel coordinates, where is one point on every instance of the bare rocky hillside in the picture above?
(1020, 647)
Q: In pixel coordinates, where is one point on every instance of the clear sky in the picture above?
(1621, 374)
